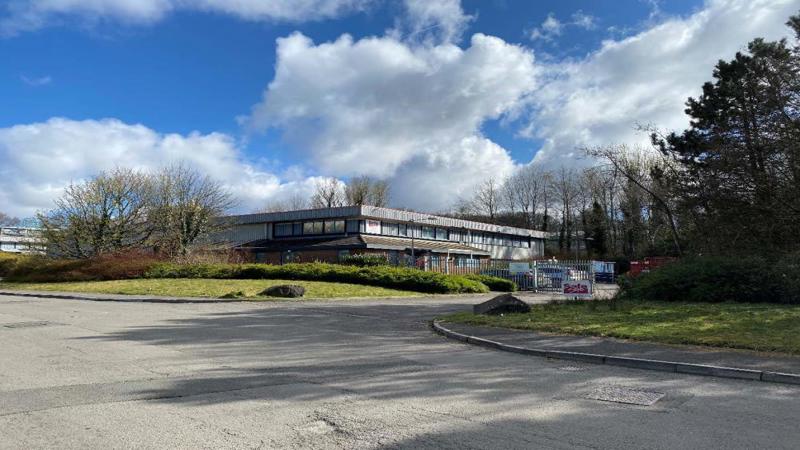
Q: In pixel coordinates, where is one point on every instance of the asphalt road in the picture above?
(366, 374)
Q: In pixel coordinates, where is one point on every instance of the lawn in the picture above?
(182, 287)
(762, 327)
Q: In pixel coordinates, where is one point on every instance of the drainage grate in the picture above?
(27, 324)
(629, 396)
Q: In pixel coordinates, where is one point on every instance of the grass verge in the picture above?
(210, 288)
(760, 327)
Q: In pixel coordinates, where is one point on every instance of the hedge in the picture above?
(385, 276)
(753, 280)
(364, 260)
(494, 283)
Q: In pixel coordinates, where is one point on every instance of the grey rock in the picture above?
(502, 304)
(284, 290)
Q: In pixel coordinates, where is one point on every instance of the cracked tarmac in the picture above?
(338, 374)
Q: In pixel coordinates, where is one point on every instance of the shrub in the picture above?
(720, 279)
(105, 267)
(385, 276)
(494, 283)
(8, 261)
(364, 260)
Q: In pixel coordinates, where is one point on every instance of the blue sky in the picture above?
(202, 77)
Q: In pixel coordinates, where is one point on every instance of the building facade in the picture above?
(20, 240)
(328, 234)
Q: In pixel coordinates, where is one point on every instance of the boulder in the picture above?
(284, 290)
(502, 304)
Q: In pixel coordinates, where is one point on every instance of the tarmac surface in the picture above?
(340, 374)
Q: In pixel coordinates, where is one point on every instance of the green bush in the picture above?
(364, 260)
(494, 283)
(385, 276)
(753, 280)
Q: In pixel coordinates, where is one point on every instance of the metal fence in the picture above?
(546, 275)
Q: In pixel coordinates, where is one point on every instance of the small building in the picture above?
(20, 240)
(328, 234)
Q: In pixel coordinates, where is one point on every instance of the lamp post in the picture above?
(412, 222)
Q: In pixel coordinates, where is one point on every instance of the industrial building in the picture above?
(328, 234)
(20, 240)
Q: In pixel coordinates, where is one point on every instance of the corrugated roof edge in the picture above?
(375, 212)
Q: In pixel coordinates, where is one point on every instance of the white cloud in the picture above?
(36, 81)
(645, 78)
(432, 21)
(39, 159)
(552, 28)
(412, 114)
(582, 20)
(27, 15)
(548, 30)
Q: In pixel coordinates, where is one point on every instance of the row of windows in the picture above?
(322, 227)
(310, 228)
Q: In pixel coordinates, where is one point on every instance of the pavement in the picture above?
(628, 349)
(340, 374)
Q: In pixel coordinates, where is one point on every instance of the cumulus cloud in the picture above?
(645, 78)
(39, 159)
(386, 108)
(26, 15)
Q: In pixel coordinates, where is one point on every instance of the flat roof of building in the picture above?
(379, 213)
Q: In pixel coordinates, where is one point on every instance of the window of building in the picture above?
(283, 229)
(441, 234)
(402, 229)
(428, 233)
(353, 226)
(334, 226)
(390, 229)
(312, 228)
(297, 229)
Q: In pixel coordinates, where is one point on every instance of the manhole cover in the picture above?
(26, 324)
(625, 395)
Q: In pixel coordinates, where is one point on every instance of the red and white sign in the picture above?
(580, 288)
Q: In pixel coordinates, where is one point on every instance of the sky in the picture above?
(269, 96)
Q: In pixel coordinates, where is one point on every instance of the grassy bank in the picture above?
(209, 288)
(749, 326)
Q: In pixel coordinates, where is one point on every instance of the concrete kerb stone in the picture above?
(633, 363)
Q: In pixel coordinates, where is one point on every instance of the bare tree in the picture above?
(8, 221)
(293, 202)
(365, 190)
(108, 213)
(379, 193)
(565, 187)
(328, 193)
(357, 191)
(524, 190)
(187, 206)
(487, 199)
(628, 163)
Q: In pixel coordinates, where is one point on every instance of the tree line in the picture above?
(727, 185)
(332, 192)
